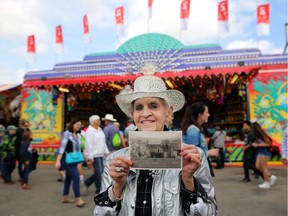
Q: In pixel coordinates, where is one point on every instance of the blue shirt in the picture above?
(109, 130)
(195, 137)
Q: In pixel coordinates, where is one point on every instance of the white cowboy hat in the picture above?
(149, 86)
(109, 117)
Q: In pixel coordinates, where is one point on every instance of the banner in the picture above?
(59, 39)
(150, 3)
(223, 16)
(185, 9)
(263, 19)
(31, 50)
(119, 17)
(86, 29)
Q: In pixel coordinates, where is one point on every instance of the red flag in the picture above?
(86, 29)
(31, 51)
(59, 36)
(119, 15)
(150, 3)
(59, 39)
(263, 19)
(223, 16)
(185, 9)
(31, 44)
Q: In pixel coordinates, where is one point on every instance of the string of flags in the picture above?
(263, 24)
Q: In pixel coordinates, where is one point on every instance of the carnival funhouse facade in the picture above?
(237, 84)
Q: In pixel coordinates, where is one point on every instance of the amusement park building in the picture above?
(206, 70)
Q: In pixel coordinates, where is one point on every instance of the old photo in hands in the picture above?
(155, 149)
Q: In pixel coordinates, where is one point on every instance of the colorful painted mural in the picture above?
(44, 115)
(268, 101)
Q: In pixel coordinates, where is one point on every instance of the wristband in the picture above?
(112, 197)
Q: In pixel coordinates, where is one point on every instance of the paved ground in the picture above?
(234, 198)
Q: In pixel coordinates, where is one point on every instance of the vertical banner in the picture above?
(263, 19)
(119, 17)
(59, 39)
(185, 9)
(223, 16)
(86, 29)
(31, 50)
(150, 3)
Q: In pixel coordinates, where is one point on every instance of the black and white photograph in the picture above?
(155, 149)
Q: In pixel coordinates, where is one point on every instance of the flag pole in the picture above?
(148, 27)
(27, 66)
(117, 41)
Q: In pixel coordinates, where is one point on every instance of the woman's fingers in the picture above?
(120, 166)
(190, 151)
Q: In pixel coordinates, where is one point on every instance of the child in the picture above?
(26, 157)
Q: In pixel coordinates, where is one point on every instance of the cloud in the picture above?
(10, 75)
(166, 20)
(21, 18)
(265, 46)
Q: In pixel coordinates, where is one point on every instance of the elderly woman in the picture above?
(129, 191)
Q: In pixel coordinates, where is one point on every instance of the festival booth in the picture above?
(10, 104)
(229, 81)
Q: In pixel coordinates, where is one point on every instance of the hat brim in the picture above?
(104, 119)
(173, 98)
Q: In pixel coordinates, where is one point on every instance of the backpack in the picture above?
(116, 140)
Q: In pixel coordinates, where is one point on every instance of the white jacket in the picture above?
(165, 193)
(95, 143)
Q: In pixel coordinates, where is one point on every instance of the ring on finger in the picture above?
(119, 169)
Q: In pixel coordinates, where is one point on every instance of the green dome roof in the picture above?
(150, 42)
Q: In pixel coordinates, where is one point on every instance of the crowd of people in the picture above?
(121, 189)
(16, 150)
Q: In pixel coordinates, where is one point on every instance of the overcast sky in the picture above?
(20, 18)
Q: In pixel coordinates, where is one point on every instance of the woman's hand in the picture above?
(213, 152)
(57, 164)
(284, 161)
(119, 169)
(190, 163)
(58, 161)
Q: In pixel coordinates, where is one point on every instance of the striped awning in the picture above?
(10, 89)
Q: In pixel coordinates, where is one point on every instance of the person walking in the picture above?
(249, 152)
(70, 143)
(284, 147)
(194, 117)
(130, 191)
(109, 130)
(95, 150)
(24, 125)
(8, 154)
(130, 127)
(123, 140)
(81, 137)
(218, 140)
(26, 157)
(2, 133)
(262, 143)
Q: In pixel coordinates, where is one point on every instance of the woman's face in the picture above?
(150, 114)
(77, 126)
(203, 117)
